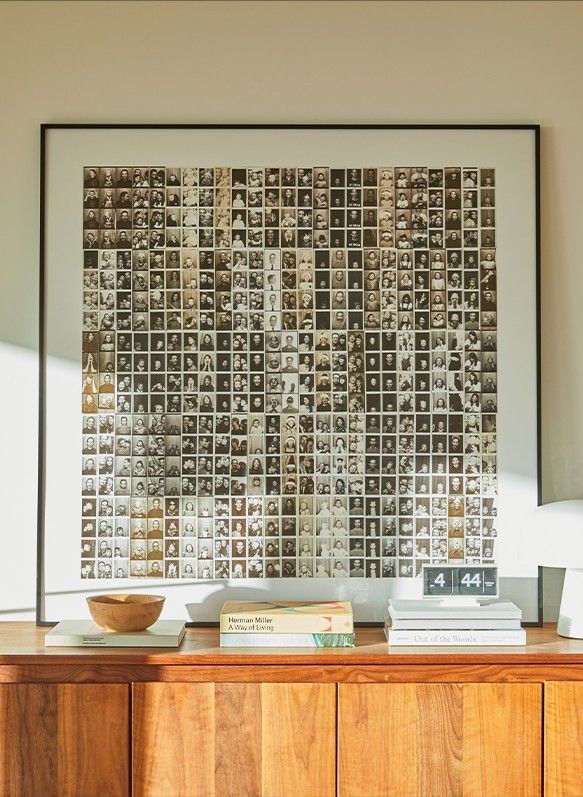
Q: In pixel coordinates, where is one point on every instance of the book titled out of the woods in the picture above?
(431, 622)
(451, 637)
(86, 634)
(287, 617)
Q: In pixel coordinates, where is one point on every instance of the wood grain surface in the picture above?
(23, 643)
(238, 728)
(79, 672)
(234, 740)
(64, 740)
(563, 739)
(502, 736)
(473, 740)
(173, 739)
(299, 740)
(440, 712)
(262, 722)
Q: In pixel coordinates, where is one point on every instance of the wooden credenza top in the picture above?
(22, 643)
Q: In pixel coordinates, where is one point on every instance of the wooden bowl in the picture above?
(125, 612)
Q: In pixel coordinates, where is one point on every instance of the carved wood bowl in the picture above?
(125, 612)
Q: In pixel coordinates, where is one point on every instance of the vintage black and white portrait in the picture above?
(288, 371)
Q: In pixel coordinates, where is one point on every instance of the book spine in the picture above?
(459, 625)
(77, 641)
(74, 641)
(286, 624)
(449, 638)
(288, 640)
(428, 614)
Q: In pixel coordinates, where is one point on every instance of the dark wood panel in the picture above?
(28, 740)
(48, 740)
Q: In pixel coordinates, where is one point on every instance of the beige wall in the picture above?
(498, 62)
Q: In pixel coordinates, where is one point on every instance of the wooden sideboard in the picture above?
(363, 722)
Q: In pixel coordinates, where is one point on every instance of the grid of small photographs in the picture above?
(287, 372)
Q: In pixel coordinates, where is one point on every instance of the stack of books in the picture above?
(276, 624)
(431, 622)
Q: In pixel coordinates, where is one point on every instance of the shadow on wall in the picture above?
(18, 477)
(18, 468)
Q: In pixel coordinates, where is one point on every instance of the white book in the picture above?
(456, 638)
(432, 609)
(470, 624)
(87, 634)
(229, 640)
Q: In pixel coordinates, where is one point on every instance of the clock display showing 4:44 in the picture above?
(460, 581)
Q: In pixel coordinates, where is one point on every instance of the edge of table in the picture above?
(22, 643)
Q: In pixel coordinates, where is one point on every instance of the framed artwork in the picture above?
(283, 360)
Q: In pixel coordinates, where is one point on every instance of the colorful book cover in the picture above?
(283, 617)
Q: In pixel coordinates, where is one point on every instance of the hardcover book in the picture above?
(449, 638)
(85, 633)
(286, 617)
(430, 609)
(469, 624)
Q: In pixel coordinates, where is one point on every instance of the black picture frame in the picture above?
(45, 129)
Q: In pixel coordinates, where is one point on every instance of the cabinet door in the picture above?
(64, 740)
(440, 740)
(234, 740)
(563, 739)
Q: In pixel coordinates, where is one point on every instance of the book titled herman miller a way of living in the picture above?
(287, 624)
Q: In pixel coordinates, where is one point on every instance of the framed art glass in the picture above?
(286, 361)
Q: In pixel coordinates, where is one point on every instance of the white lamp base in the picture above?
(571, 612)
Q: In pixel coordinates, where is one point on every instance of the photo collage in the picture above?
(287, 371)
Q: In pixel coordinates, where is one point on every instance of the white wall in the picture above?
(497, 62)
